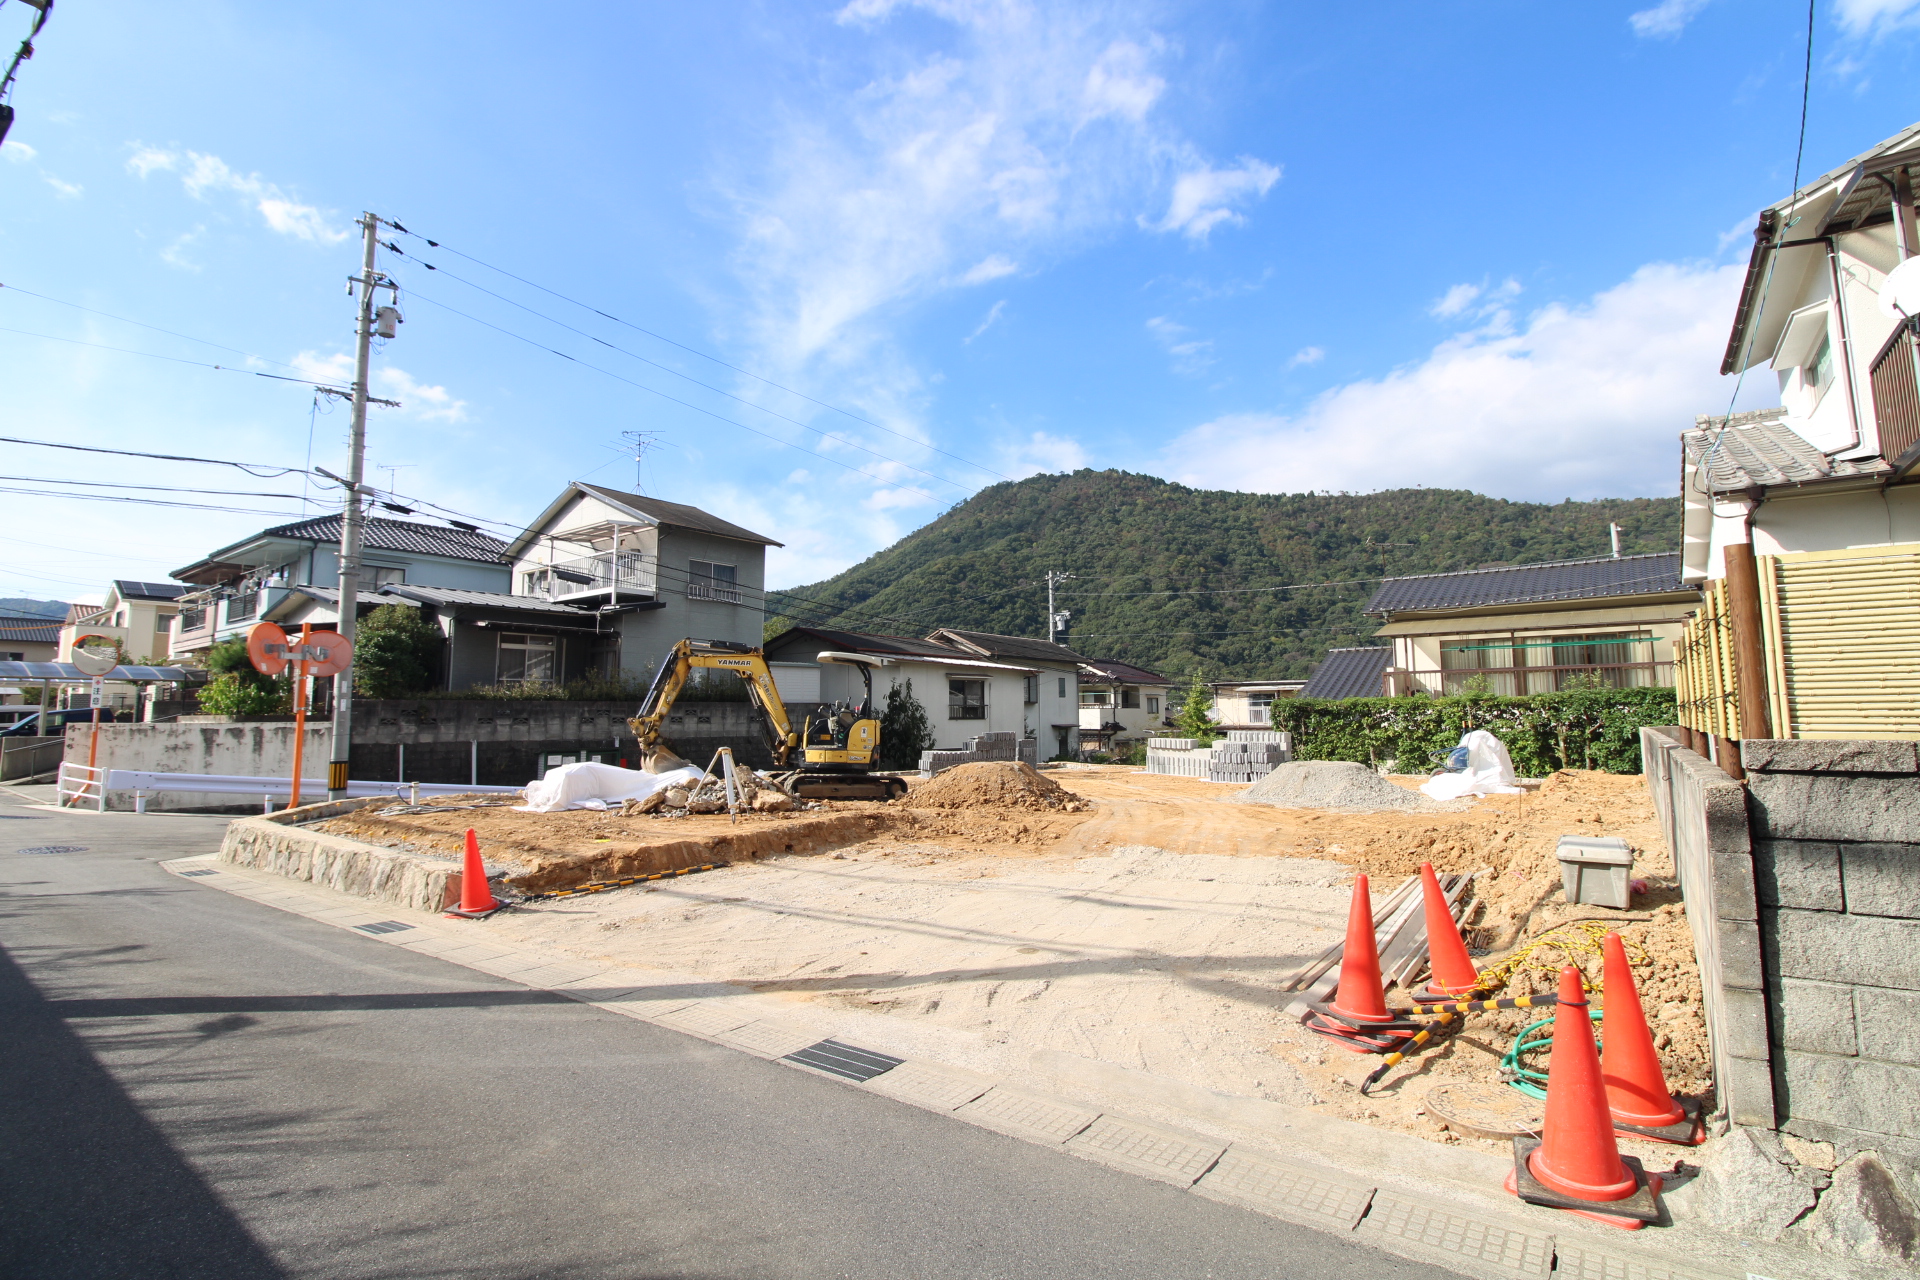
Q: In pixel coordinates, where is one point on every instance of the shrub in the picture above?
(231, 694)
(395, 652)
(1579, 729)
(905, 730)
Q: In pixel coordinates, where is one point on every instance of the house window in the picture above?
(1153, 705)
(377, 577)
(707, 580)
(1259, 708)
(533, 582)
(966, 699)
(16, 657)
(1095, 698)
(1818, 371)
(526, 659)
(1063, 686)
(1544, 664)
(1031, 689)
(1130, 698)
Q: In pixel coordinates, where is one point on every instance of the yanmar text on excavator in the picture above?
(837, 745)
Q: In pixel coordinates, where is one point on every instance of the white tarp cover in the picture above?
(589, 785)
(1489, 771)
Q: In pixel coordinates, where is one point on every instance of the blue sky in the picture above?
(1275, 247)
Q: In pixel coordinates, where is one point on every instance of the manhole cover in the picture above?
(384, 926)
(844, 1060)
(1484, 1110)
(56, 848)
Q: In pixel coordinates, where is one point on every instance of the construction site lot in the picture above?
(1150, 930)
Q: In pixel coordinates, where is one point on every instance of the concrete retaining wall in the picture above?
(1702, 812)
(1836, 853)
(248, 750)
(273, 843)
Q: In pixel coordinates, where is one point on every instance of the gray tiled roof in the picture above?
(1758, 448)
(677, 513)
(1349, 673)
(398, 535)
(410, 594)
(1123, 673)
(148, 590)
(31, 630)
(1560, 580)
(996, 646)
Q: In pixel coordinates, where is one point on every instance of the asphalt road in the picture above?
(194, 1085)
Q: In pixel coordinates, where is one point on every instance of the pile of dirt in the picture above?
(1332, 784)
(993, 784)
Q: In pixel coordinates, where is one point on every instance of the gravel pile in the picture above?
(1333, 784)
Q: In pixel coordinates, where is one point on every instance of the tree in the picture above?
(1193, 720)
(238, 687)
(395, 652)
(905, 730)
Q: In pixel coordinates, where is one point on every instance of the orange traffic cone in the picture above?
(1575, 1164)
(1637, 1093)
(1451, 973)
(1357, 1017)
(476, 899)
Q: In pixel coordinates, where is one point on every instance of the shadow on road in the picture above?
(92, 1188)
(151, 1006)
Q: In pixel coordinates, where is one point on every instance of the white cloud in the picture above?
(993, 315)
(1478, 302)
(65, 190)
(18, 152)
(991, 267)
(418, 399)
(1121, 84)
(175, 254)
(1875, 17)
(1666, 19)
(1191, 356)
(1454, 301)
(1202, 198)
(334, 370)
(1039, 452)
(200, 174)
(1306, 355)
(1583, 401)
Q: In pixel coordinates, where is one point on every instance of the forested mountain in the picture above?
(1247, 585)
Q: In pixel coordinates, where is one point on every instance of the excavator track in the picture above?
(845, 786)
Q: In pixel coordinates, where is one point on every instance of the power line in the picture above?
(143, 325)
(804, 426)
(198, 364)
(147, 502)
(675, 399)
(251, 468)
(157, 488)
(691, 350)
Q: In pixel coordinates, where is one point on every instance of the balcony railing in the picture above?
(629, 571)
(240, 608)
(703, 588)
(1547, 679)
(1896, 393)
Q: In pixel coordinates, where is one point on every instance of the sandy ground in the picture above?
(1148, 933)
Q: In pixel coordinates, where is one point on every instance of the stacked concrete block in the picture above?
(1242, 761)
(988, 746)
(1836, 858)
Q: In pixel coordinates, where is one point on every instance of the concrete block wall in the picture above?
(1703, 815)
(1836, 854)
(988, 746)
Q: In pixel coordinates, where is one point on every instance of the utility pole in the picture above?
(1056, 620)
(350, 524)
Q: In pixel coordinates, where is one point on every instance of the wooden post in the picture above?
(1749, 644)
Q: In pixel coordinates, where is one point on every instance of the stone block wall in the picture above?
(1836, 854)
(1703, 814)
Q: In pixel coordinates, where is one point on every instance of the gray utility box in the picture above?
(1595, 870)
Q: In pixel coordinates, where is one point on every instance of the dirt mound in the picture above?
(993, 784)
(1332, 784)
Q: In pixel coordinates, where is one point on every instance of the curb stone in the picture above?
(1483, 1246)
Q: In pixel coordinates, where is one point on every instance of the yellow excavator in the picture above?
(837, 744)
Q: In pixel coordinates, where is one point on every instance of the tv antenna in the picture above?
(643, 442)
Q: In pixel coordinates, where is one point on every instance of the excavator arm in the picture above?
(744, 661)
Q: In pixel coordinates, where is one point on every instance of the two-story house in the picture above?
(136, 617)
(26, 638)
(1120, 702)
(257, 577)
(644, 573)
(969, 682)
(1802, 523)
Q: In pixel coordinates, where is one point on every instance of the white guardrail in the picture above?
(142, 783)
(79, 782)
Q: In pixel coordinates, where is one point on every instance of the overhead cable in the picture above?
(693, 350)
(143, 325)
(146, 502)
(251, 468)
(198, 364)
(157, 488)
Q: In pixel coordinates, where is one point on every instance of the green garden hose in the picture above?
(1525, 1078)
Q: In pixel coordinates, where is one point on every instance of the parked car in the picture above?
(56, 721)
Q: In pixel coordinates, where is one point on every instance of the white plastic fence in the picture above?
(79, 782)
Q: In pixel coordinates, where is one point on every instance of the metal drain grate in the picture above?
(844, 1060)
(56, 848)
(384, 926)
(205, 872)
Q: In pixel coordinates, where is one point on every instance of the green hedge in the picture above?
(1589, 729)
